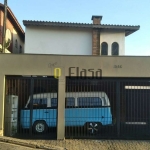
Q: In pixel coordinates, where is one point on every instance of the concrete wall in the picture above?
(110, 36)
(27, 64)
(121, 66)
(67, 41)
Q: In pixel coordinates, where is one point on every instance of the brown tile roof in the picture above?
(128, 29)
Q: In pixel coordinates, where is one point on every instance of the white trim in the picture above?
(136, 123)
(137, 87)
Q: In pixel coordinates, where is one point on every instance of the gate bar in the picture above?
(31, 105)
(118, 107)
(61, 109)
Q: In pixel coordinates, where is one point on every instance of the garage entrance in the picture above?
(95, 108)
(31, 107)
(89, 115)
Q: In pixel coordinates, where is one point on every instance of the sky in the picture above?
(122, 12)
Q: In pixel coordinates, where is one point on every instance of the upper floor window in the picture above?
(115, 48)
(20, 50)
(104, 48)
(16, 44)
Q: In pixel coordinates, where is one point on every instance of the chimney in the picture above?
(96, 36)
(96, 19)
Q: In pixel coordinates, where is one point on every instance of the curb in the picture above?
(29, 144)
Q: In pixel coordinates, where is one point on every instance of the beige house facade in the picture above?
(76, 38)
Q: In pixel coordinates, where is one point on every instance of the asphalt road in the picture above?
(8, 146)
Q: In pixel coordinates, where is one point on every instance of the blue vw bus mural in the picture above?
(88, 109)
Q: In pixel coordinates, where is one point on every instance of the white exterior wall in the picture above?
(58, 41)
(19, 41)
(110, 36)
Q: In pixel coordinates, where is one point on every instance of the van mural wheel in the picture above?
(40, 127)
(92, 127)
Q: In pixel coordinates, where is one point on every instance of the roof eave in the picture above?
(14, 20)
(128, 29)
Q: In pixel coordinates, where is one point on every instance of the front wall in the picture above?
(119, 66)
(58, 41)
(110, 36)
(43, 65)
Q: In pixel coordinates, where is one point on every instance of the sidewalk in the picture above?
(75, 144)
(99, 144)
(9, 146)
(30, 143)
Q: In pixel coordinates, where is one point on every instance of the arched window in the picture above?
(115, 48)
(104, 48)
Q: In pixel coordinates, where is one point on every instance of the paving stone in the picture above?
(82, 144)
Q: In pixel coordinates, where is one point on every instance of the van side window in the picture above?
(53, 102)
(39, 103)
(70, 102)
(89, 102)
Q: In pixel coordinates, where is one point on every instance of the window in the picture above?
(70, 102)
(115, 48)
(104, 101)
(16, 44)
(104, 48)
(89, 102)
(20, 50)
(54, 102)
(39, 103)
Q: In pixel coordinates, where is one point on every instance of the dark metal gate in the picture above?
(129, 104)
(31, 107)
(100, 108)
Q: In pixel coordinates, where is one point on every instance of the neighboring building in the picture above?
(14, 33)
(76, 38)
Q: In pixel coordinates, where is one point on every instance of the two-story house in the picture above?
(15, 35)
(76, 38)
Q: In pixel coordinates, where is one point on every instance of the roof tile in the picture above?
(127, 28)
